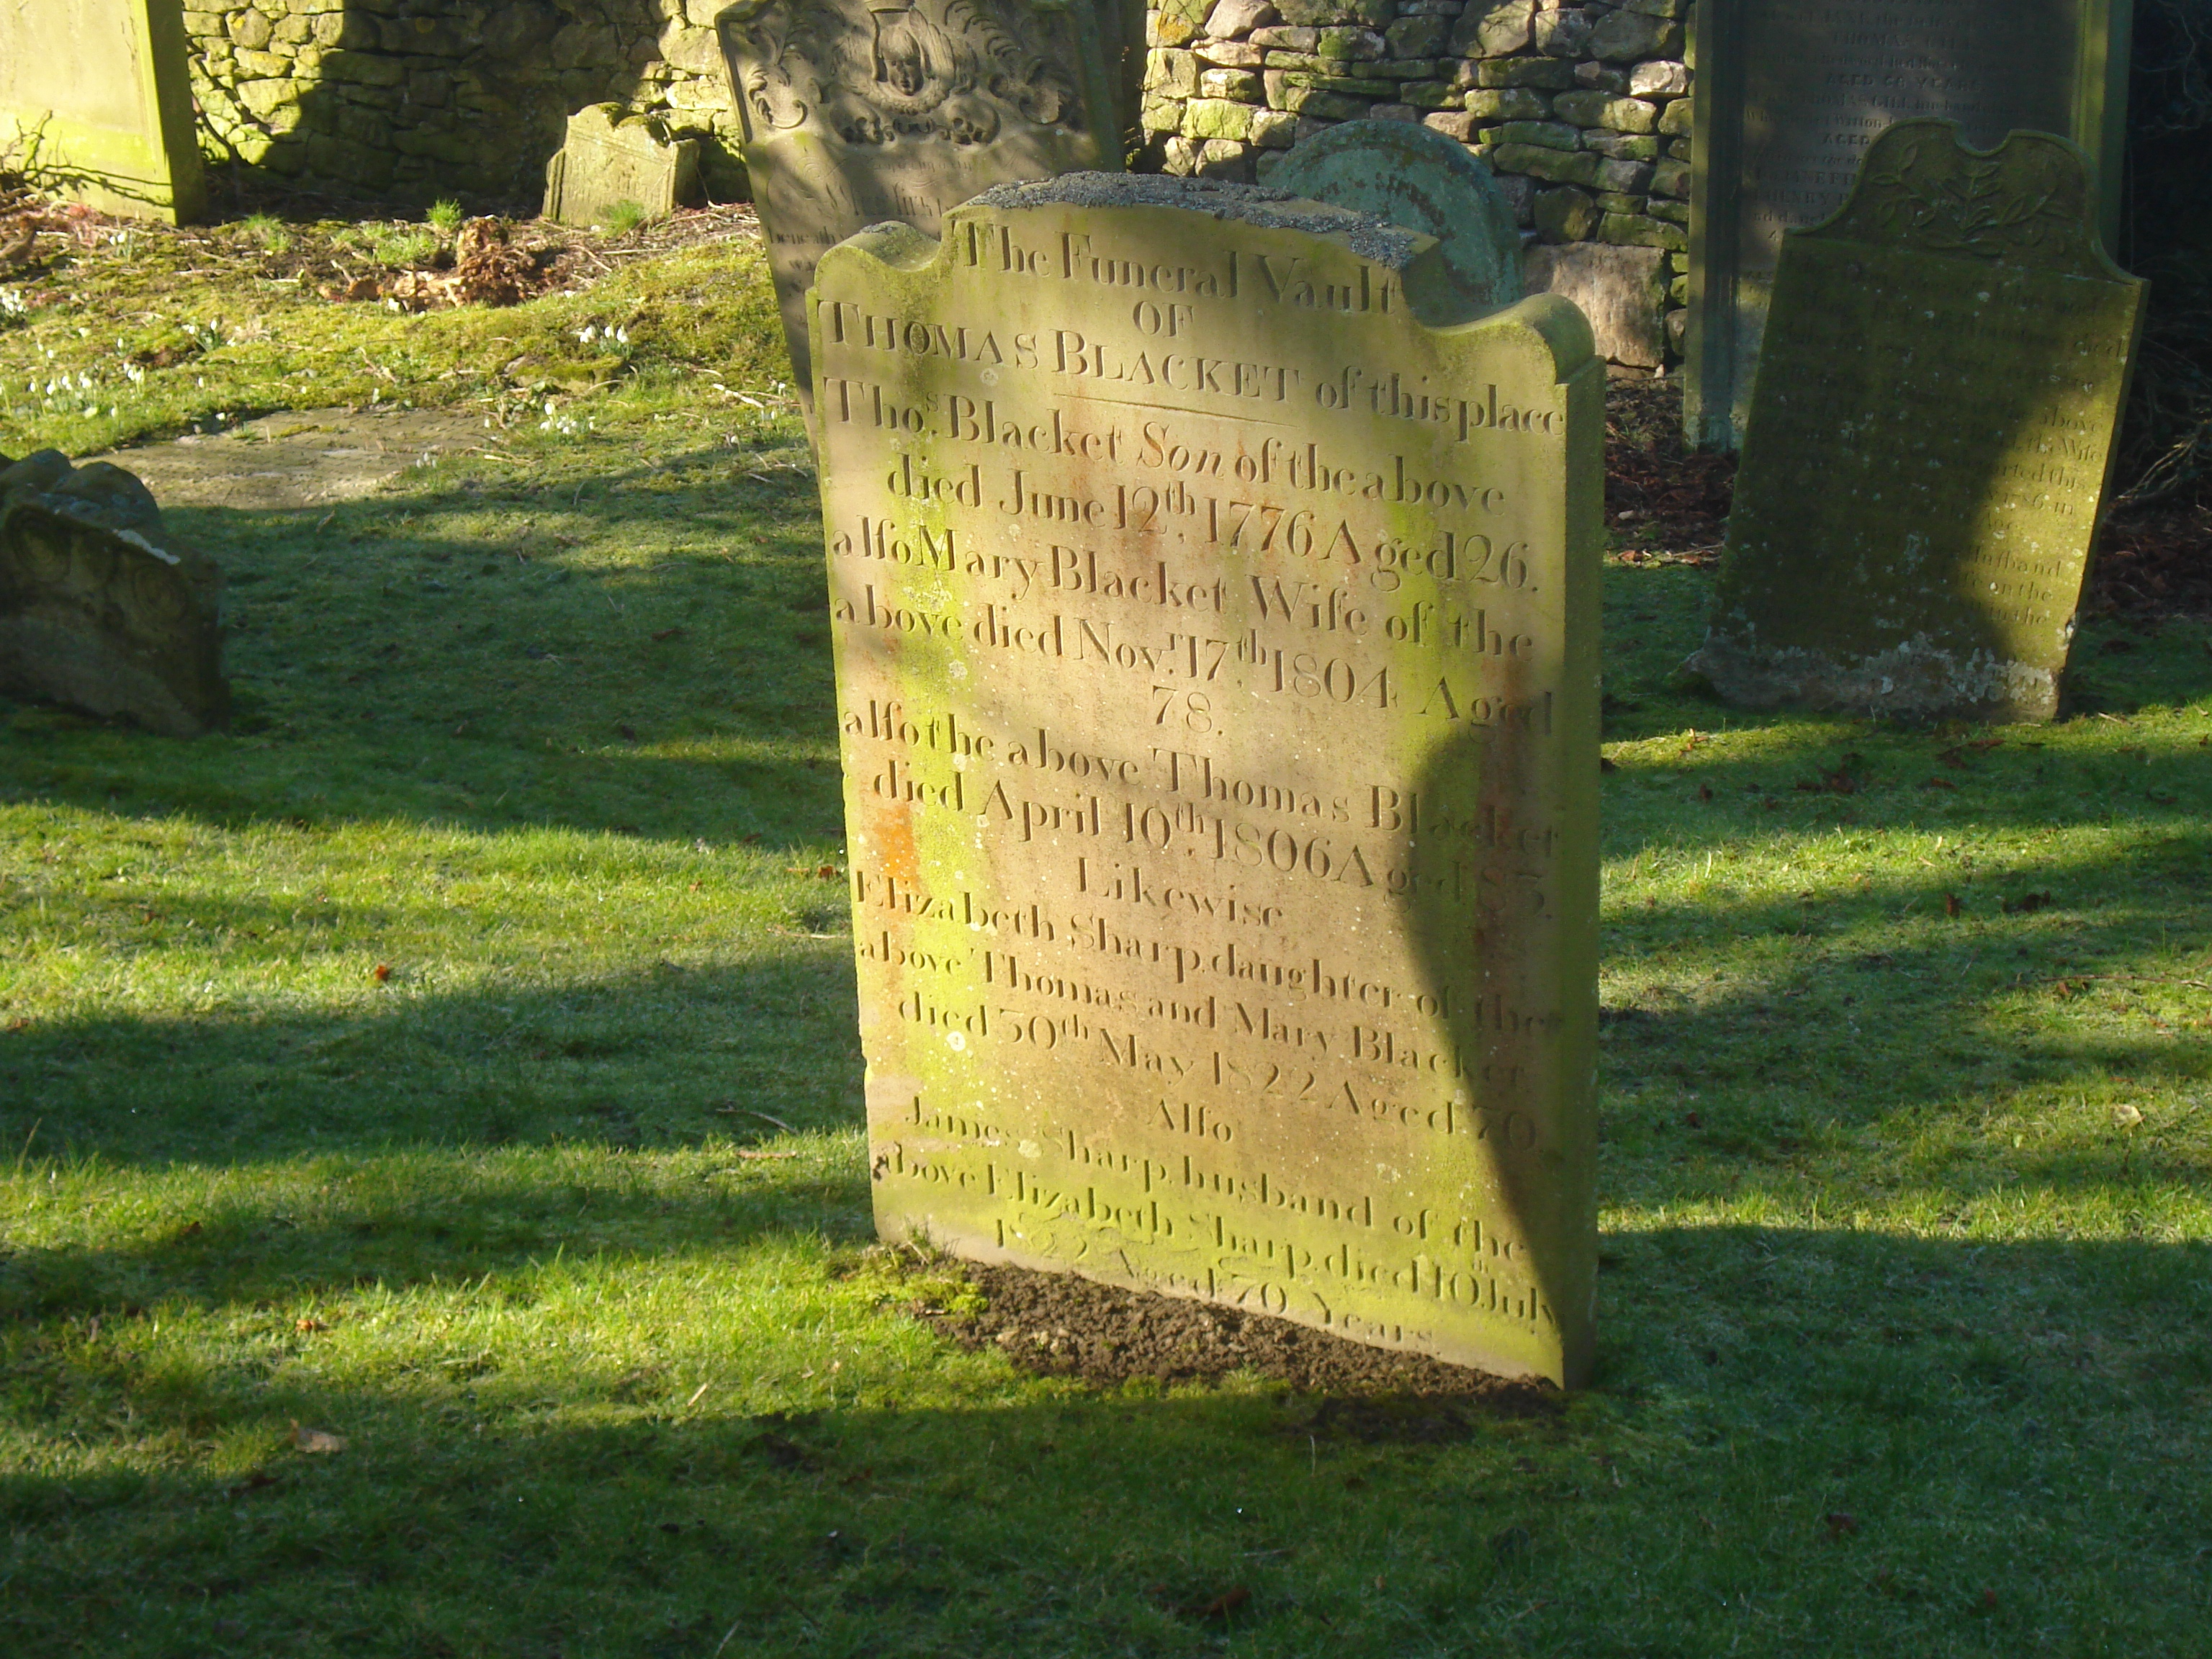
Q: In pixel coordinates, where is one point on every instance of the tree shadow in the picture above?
(1851, 1431)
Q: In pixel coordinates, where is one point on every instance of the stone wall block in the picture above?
(1171, 72)
(1555, 166)
(1217, 117)
(1229, 18)
(1229, 54)
(1548, 73)
(1456, 124)
(1563, 33)
(1416, 37)
(1675, 120)
(1273, 129)
(1627, 37)
(1565, 214)
(1551, 134)
(1354, 45)
(1373, 12)
(264, 98)
(1287, 39)
(1671, 178)
(249, 29)
(1633, 230)
(1491, 28)
(1509, 103)
(1629, 177)
(1659, 79)
(1242, 85)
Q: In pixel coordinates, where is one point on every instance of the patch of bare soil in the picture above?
(1665, 502)
(298, 458)
(1058, 1325)
(2156, 561)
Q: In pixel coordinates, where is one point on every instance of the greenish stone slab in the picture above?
(610, 157)
(1791, 92)
(1214, 596)
(96, 104)
(857, 115)
(1416, 177)
(1930, 439)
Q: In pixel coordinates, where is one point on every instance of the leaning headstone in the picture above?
(1214, 601)
(1790, 95)
(96, 104)
(1930, 439)
(858, 113)
(1416, 177)
(100, 607)
(612, 156)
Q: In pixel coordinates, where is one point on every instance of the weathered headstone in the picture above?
(96, 103)
(1622, 290)
(857, 114)
(612, 156)
(100, 607)
(1215, 614)
(1929, 440)
(1416, 177)
(1791, 92)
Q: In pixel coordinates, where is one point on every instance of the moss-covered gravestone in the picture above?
(100, 607)
(1930, 439)
(1416, 177)
(1216, 622)
(857, 114)
(96, 103)
(612, 156)
(1791, 92)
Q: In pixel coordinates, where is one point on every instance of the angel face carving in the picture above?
(959, 71)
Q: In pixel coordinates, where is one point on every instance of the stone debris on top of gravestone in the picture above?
(1790, 95)
(1416, 177)
(100, 607)
(855, 116)
(1930, 439)
(1214, 590)
(613, 156)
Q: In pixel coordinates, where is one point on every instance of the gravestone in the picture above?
(1416, 177)
(1215, 617)
(858, 113)
(611, 157)
(1930, 439)
(1791, 92)
(100, 607)
(95, 104)
(1622, 290)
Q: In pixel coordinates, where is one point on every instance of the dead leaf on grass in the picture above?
(316, 1440)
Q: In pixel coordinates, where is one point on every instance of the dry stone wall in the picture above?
(1582, 111)
(410, 100)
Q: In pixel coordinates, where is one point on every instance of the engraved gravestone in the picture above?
(1215, 616)
(1791, 92)
(96, 104)
(855, 113)
(610, 157)
(1930, 437)
(1416, 177)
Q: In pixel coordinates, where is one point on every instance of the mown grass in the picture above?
(561, 1221)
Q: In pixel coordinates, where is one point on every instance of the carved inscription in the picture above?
(1949, 356)
(1216, 681)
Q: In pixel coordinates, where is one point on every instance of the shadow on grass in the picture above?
(665, 1057)
(643, 651)
(1828, 1440)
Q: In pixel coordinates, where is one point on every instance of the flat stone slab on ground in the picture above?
(1930, 439)
(299, 458)
(1214, 595)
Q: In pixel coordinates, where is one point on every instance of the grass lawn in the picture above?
(457, 1059)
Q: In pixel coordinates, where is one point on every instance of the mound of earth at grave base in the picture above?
(1058, 1325)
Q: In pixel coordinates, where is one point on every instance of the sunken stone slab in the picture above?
(1930, 439)
(1416, 177)
(1791, 92)
(857, 114)
(611, 157)
(1214, 593)
(96, 104)
(100, 607)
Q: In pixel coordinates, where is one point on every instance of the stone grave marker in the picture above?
(1416, 177)
(1214, 597)
(1930, 437)
(100, 607)
(612, 156)
(96, 104)
(1791, 92)
(857, 114)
